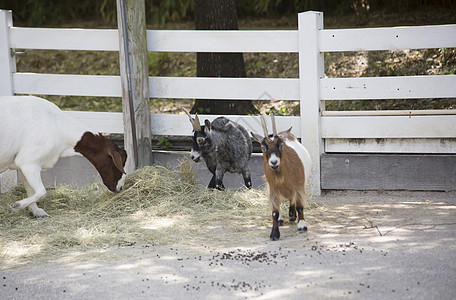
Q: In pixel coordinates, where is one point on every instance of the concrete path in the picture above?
(392, 245)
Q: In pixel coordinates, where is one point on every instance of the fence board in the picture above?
(396, 87)
(166, 124)
(105, 122)
(381, 145)
(64, 39)
(176, 125)
(222, 40)
(64, 84)
(160, 87)
(224, 88)
(157, 40)
(391, 38)
(442, 126)
(421, 112)
(389, 172)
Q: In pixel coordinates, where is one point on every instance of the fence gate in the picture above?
(364, 150)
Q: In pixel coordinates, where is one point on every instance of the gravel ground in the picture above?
(396, 245)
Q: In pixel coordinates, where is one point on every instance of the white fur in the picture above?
(120, 183)
(195, 155)
(34, 134)
(303, 155)
(274, 160)
(302, 225)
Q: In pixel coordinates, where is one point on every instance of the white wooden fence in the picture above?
(320, 131)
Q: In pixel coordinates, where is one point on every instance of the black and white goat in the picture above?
(35, 133)
(287, 166)
(224, 145)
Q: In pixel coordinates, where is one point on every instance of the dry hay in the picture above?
(157, 206)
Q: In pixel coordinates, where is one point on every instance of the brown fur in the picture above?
(109, 162)
(287, 181)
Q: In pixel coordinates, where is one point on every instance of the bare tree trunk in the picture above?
(219, 15)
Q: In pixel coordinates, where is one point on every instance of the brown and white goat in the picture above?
(286, 165)
(34, 134)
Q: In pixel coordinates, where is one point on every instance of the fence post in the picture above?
(131, 19)
(311, 70)
(7, 68)
(7, 61)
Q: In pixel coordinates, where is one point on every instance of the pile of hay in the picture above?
(157, 207)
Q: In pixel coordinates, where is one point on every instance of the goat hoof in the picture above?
(14, 207)
(302, 226)
(275, 234)
(292, 219)
(280, 221)
(39, 214)
(303, 229)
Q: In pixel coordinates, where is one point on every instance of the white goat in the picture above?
(34, 134)
(287, 166)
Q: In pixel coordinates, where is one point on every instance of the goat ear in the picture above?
(207, 126)
(117, 159)
(257, 137)
(285, 133)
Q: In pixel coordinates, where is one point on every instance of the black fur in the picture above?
(225, 146)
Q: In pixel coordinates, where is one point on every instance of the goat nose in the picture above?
(274, 164)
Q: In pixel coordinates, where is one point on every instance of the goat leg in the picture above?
(275, 233)
(35, 191)
(292, 212)
(212, 183)
(247, 179)
(219, 180)
(302, 225)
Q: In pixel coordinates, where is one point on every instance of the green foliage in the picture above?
(204, 110)
(50, 12)
(161, 12)
(164, 143)
(282, 110)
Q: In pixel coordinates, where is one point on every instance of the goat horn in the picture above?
(274, 128)
(265, 129)
(195, 123)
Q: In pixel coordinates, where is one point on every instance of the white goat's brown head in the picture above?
(271, 144)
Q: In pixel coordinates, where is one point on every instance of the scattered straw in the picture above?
(157, 206)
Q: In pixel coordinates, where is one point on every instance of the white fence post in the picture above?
(7, 67)
(7, 61)
(311, 70)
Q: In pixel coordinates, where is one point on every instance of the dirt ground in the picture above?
(365, 245)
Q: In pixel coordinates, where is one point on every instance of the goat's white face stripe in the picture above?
(195, 155)
(120, 183)
(274, 160)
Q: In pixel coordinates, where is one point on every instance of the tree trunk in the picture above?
(219, 15)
